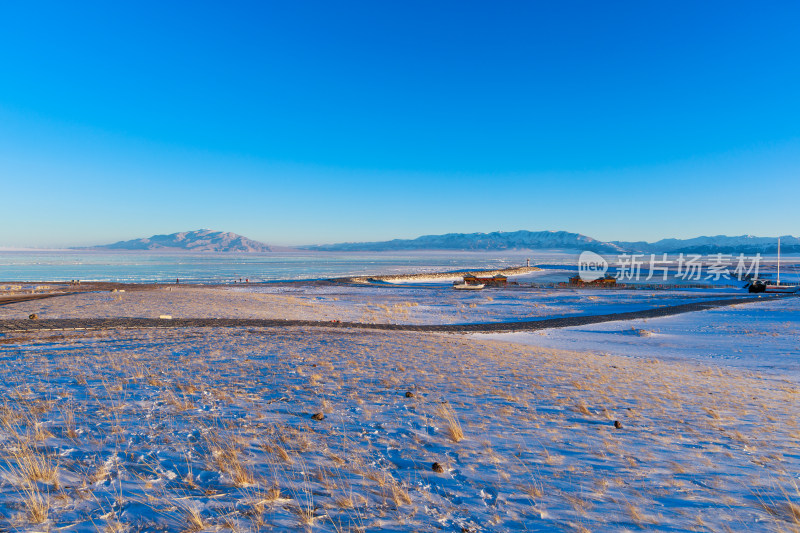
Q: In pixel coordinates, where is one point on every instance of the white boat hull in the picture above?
(465, 287)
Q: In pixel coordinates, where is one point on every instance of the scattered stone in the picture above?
(318, 416)
(436, 467)
(410, 394)
(617, 424)
(33, 316)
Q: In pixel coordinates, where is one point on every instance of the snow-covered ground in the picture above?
(403, 304)
(763, 337)
(300, 428)
(438, 303)
(251, 429)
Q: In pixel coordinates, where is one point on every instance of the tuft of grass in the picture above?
(226, 458)
(533, 490)
(582, 408)
(258, 499)
(33, 467)
(399, 493)
(276, 449)
(36, 504)
(783, 509)
(638, 516)
(454, 430)
(179, 401)
(68, 416)
(194, 520)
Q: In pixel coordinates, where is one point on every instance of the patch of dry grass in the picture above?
(453, 425)
(175, 418)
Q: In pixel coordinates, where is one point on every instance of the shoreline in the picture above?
(445, 276)
(366, 279)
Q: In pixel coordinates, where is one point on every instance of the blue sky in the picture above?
(310, 122)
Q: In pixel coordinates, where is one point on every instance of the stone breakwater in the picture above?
(512, 271)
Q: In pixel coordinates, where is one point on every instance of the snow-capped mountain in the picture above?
(502, 240)
(204, 240)
(746, 244)
(218, 241)
(498, 240)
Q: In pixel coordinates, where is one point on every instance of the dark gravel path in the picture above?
(6, 300)
(76, 324)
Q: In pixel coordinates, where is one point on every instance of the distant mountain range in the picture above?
(498, 240)
(533, 240)
(203, 240)
(746, 244)
(218, 241)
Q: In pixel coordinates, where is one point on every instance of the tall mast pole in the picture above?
(779, 260)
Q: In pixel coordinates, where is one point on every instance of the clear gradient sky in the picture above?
(309, 122)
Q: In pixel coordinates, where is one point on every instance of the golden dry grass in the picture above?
(168, 419)
(452, 424)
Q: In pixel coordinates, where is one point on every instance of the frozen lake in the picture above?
(212, 267)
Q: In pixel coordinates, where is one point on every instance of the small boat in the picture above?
(787, 289)
(464, 286)
(760, 285)
(777, 287)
